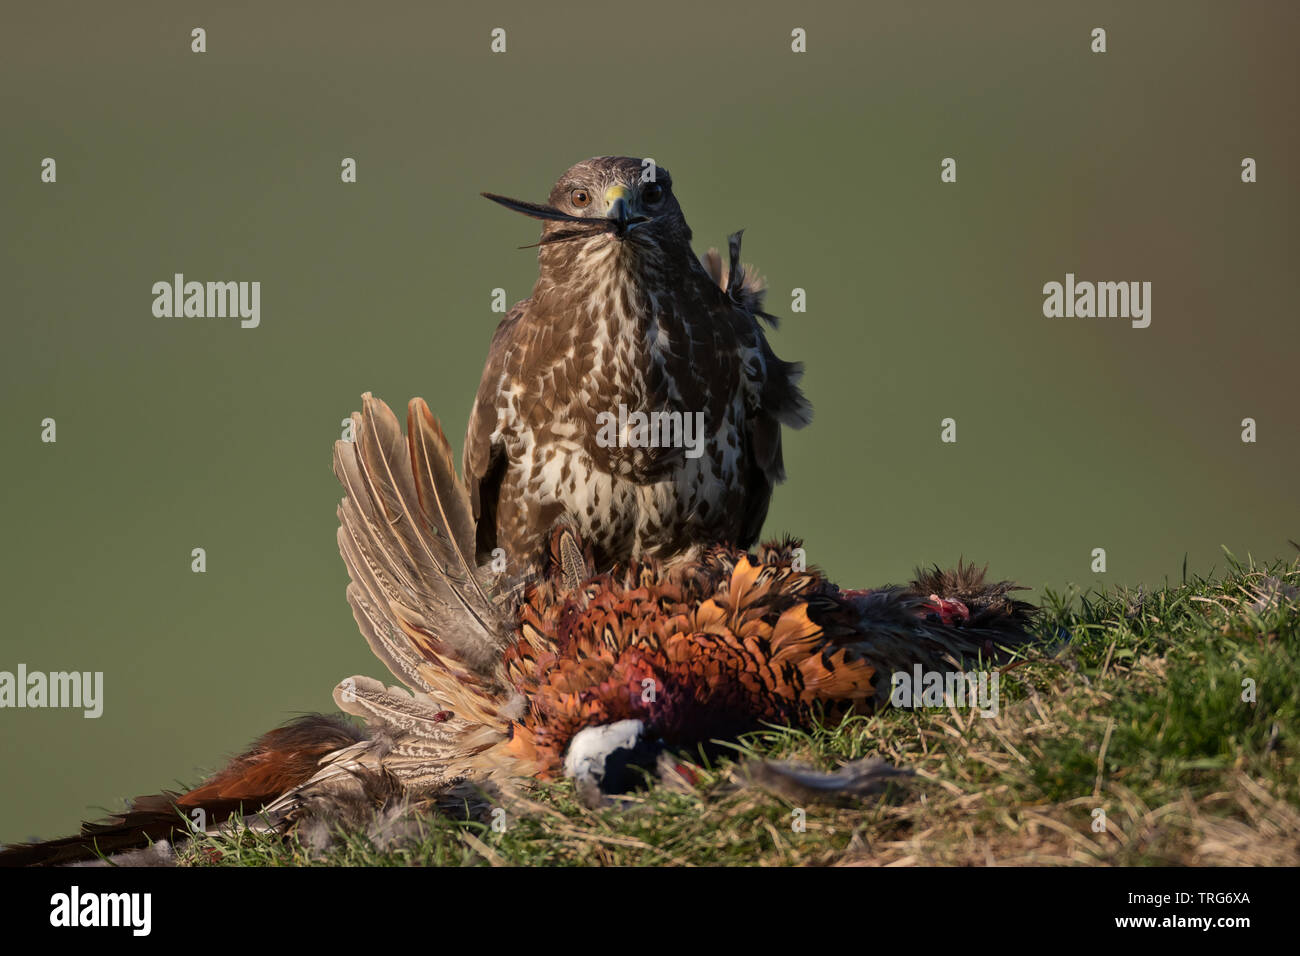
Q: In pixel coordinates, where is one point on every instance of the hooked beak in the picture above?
(622, 210)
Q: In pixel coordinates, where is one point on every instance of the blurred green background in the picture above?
(924, 301)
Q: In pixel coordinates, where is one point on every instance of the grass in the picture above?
(1132, 707)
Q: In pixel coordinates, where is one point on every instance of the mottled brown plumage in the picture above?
(624, 316)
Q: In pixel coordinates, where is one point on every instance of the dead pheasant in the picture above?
(567, 671)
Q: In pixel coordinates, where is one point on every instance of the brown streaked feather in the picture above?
(440, 491)
(408, 528)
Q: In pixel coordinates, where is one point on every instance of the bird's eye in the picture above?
(580, 198)
(652, 193)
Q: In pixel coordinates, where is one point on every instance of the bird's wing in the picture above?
(485, 455)
(406, 533)
(780, 401)
(773, 395)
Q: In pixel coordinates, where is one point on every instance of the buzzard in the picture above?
(577, 671)
(625, 321)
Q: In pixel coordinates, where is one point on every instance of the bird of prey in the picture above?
(574, 671)
(623, 321)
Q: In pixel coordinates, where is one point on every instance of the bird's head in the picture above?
(606, 758)
(632, 195)
(609, 199)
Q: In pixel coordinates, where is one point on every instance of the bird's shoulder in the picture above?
(536, 363)
(502, 351)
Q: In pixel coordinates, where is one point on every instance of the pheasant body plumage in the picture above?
(718, 647)
(695, 650)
